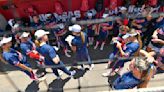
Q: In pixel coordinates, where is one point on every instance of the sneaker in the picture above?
(41, 79)
(91, 66)
(60, 72)
(82, 67)
(72, 73)
(108, 66)
(106, 74)
(38, 80)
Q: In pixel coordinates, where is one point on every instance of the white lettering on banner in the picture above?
(63, 17)
(66, 15)
(131, 9)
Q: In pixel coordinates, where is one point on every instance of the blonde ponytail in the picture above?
(1, 57)
(140, 44)
(37, 43)
(82, 37)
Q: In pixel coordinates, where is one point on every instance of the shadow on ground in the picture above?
(58, 85)
(32, 87)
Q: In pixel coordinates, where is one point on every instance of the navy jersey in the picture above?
(131, 48)
(14, 58)
(48, 52)
(82, 53)
(77, 41)
(26, 47)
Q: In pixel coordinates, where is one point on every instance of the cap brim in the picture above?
(133, 34)
(47, 32)
(5, 40)
(126, 36)
(24, 35)
(9, 39)
(70, 28)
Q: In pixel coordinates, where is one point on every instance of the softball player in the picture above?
(122, 31)
(29, 49)
(15, 58)
(132, 47)
(49, 53)
(78, 43)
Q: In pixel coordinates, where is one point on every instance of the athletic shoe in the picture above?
(91, 66)
(72, 73)
(106, 74)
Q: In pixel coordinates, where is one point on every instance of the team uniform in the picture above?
(130, 49)
(82, 53)
(14, 58)
(76, 41)
(29, 49)
(115, 52)
(137, 76)
(49, 53)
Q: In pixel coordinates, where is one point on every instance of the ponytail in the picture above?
(37, 43)
(82, 37)
(140, 44)
(1, 57)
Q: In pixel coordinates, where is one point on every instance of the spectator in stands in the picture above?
(90, 31)
(61, 34)
(36, 24)
(103, 33)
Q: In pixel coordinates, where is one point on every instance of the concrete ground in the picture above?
(83, 81)
(12, 80)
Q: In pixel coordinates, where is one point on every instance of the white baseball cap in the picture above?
(75, 28)
(5, 40)
(40, 33)
(24, 34)
(129, 35)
